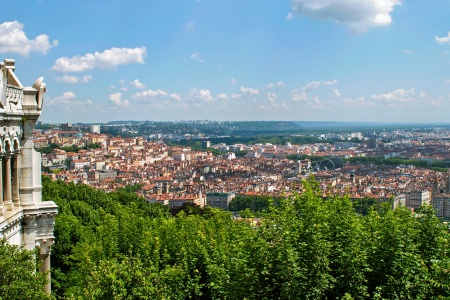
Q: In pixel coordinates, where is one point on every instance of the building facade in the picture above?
(24, 218)
(219, 200)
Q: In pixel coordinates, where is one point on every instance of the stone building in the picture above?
(24, 218)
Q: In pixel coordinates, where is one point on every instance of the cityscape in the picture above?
(172, 174)
(198, 149)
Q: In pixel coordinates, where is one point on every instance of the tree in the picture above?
(19, 275)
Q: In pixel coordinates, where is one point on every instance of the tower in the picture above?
(24, 218)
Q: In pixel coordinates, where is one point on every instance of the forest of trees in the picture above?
(117, 246)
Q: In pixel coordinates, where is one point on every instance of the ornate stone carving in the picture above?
(45, 220)
(45, 245)
(29, 222)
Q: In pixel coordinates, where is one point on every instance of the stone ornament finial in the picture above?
(41, 88)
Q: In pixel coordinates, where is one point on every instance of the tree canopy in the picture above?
(118, 246)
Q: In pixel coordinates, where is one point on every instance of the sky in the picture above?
(171, 60)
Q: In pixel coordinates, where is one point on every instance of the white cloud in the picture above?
(336, 93)
(302, 93)
(14, 40)
(272, 97)
(407, 51)
(443, 40)
(361, 101)
(190, 25)
(431, 101)
(68, 102)
(233, 81)
(397, 96)
(137, 84)
(249, 91)
(235, 96)
(196, 56)
(74, 79)
(222, 96)
(116, 99)
(176, 97)
(202, 94)
(359, 15)
(447, 81)
(150, 94)
(105, 60)
(289, 16)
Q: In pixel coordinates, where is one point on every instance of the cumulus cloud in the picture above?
(196, 56)
(336, 93)
(202, 94)
(14, 40)
(104, 60)
(137, 84)
(176, 97)
(150, 94)
(74, 79)
(249, 91)
(68, 102)
(359, 15)
(302, 93)
(116, 99)
(397, 96)
(443, 40)
(222, 96)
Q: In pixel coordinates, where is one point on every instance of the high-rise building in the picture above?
(95, 128)
(24, 218)
(66, 127)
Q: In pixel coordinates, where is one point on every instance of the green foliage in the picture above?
(19, 275)
(117, 246)
(253, 203)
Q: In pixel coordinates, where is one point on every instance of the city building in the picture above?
(219, 200)
(95, 128)
(25, 219)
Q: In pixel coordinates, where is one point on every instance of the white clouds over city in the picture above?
(116, 100)
(104, 60)
(14, 40)
(249, 91)
(359, 15)
(396, 96)
(74, 79)
(68, 102)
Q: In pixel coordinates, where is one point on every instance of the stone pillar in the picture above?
(45, 246)
(15, 180)
(1, 187)
(27, 181)
(7, 195)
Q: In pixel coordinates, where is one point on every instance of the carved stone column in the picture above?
(45, 246)
(15, 179)
(7, 195)
(1, 186)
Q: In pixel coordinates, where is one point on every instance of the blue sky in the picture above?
(314, 60)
